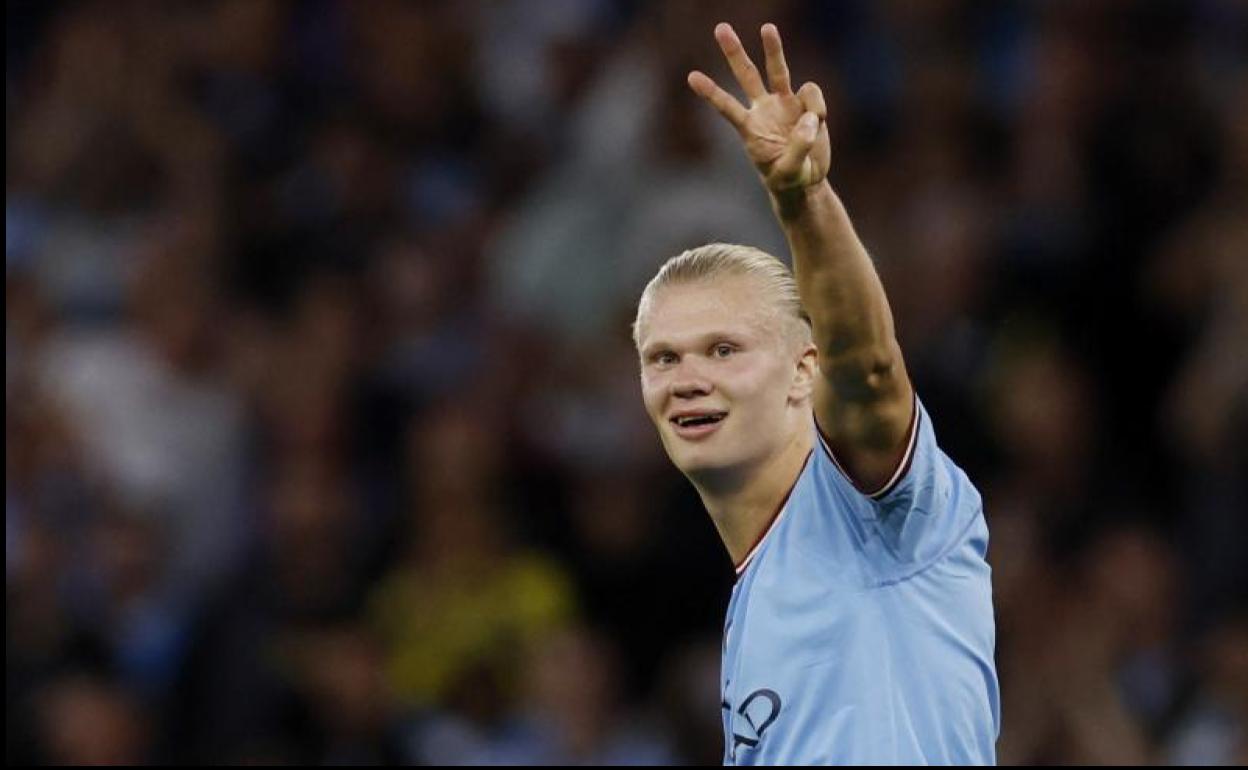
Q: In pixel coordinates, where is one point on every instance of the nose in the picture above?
(689, 382)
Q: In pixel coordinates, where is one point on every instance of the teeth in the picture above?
(701, 418)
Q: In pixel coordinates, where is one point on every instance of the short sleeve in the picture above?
(927, 504)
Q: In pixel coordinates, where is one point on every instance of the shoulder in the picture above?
(924, 510)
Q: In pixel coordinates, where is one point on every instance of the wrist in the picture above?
(797, 201)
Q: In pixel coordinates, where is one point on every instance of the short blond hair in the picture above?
(715, 260)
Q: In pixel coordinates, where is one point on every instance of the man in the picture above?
(860, 628)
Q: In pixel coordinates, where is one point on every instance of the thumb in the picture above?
(790, 165)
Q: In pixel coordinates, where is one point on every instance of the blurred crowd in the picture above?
(324, 440)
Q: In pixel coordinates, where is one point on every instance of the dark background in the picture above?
(324, 439)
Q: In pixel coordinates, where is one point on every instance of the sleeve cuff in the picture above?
(903, 462)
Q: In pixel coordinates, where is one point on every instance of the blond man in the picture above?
(860, 629)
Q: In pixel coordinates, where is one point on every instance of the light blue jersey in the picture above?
(860, 629)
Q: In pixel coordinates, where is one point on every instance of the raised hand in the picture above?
(785, 133)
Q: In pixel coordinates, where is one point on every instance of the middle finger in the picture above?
(744, 69)
(777, 69)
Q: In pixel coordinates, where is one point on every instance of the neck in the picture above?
(743, 502)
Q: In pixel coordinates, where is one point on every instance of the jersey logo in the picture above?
(759, 709)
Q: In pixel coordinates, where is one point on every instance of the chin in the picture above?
(697, 460)
(693, 466)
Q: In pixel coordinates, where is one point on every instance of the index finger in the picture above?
(747, 74)
(727, 105)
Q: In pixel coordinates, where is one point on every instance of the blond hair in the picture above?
(716, 260)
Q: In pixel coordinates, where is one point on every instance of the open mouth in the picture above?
(698, 420)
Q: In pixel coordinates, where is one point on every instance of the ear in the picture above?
(806, 370)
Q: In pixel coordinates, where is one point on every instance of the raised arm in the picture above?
(864, 401)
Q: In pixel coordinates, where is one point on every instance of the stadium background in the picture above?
(323, 434)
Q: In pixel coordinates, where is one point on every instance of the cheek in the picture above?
(763, 390)
(749, 381)
(652, 395)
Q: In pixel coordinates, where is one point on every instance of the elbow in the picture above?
(867, 374)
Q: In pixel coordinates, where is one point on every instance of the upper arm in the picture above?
(865, 408)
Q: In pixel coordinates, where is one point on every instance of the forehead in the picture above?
(721, 305)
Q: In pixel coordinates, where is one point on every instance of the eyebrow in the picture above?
(703, 340)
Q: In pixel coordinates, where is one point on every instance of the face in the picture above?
(725, 386)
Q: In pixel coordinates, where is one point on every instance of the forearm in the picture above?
(850, 315)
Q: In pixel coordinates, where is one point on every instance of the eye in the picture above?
(664, 358)
(723, 350)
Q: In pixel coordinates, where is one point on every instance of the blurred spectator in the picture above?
(462, 602)
(573, 260)
(239, 696)
(568, 711)
(690, 682)
(572, 703)
(86, 720)
(1211, 729)
(1093, 677)
(153, 416)
(356, 719)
